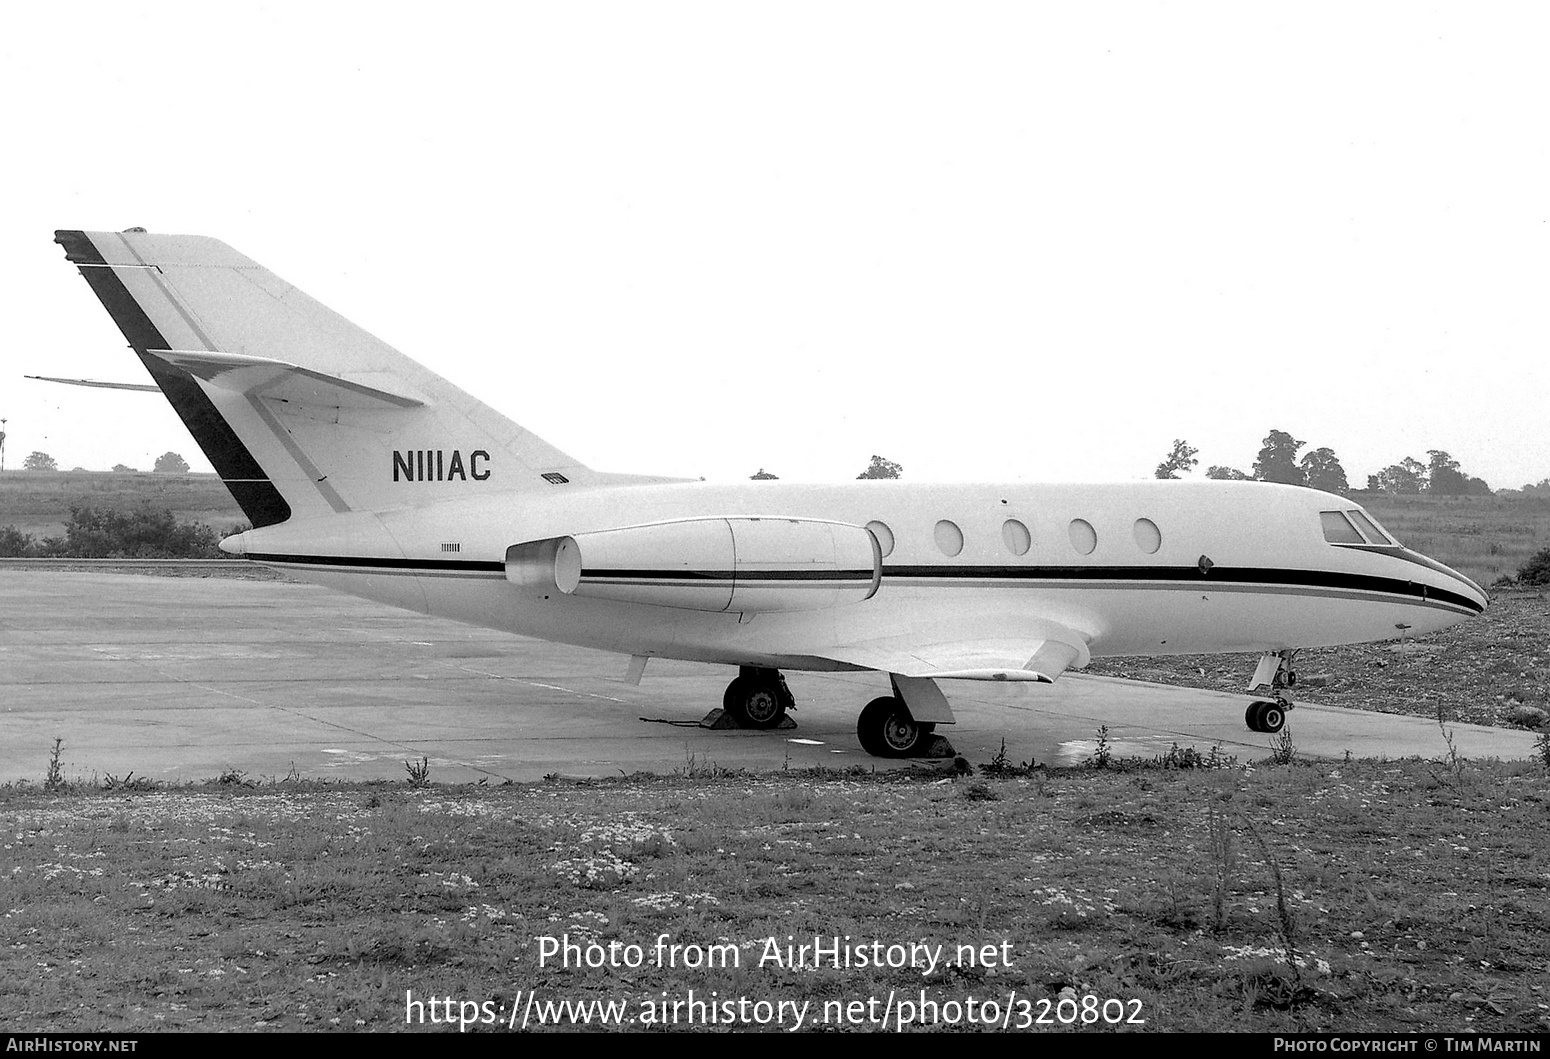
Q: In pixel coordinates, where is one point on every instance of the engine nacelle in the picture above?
(714, 564)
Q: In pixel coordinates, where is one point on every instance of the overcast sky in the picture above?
(1019, 241)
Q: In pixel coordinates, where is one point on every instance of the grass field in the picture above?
(1363, 895)
(1482, 538)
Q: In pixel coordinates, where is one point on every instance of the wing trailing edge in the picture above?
(1037, 658)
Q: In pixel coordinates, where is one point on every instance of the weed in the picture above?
(1282, 750)
(1188, 757)
(1220, 844)
(1286, 923)
(128, 782)
(696, 767)
(1177, 915)
(1219, 758)
(1001, 765)
(55, 780)
(1103, 753)
(234, 778)
(419, 772)
(980, 792)
(1453, 760)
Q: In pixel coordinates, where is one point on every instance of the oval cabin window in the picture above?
(949, 538)
(1083, 537)
(1016, 535)
(1148, 536)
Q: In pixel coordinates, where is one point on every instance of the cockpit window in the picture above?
(1369, 527)
(1338, 530)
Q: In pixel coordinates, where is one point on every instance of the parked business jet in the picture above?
(361, 470)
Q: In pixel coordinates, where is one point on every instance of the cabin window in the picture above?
(1369, 527)
(949, 538)
(884, 537)
(1083, 537)
(1338, 529)
(1148, 536)
(1015, 534)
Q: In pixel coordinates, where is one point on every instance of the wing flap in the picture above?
(1039, 659)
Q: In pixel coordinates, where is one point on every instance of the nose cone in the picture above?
(1470, 590)
(1454, 586)
(237, 544)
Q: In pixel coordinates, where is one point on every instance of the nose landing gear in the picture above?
(1275, 674)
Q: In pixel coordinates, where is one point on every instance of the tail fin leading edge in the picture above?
(300, 412)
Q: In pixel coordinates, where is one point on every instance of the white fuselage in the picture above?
(1141, 568)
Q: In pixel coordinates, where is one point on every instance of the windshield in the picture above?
(1354, 526)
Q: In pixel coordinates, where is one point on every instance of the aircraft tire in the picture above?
(886, 729)
(869, 725)
(1267, 717)
(754, 703)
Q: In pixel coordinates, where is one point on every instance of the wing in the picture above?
(1040, 654)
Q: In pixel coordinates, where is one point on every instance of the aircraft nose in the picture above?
(1471, 591)
(1460, 587)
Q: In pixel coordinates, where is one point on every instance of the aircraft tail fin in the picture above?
(301, 412)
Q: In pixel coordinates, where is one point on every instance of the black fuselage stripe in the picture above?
(1191, 577)
(249, 486)
(381, 562)
(727, 575)
(1170, 577)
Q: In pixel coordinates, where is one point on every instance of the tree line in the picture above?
(878, 468)
(1320, 468)
(166, 463)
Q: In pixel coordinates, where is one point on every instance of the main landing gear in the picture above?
(886, 729)
(757, 698)
(904, 724)
(1275, 674)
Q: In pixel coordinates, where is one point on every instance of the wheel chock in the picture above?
(720, 720)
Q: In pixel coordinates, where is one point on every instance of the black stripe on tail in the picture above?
(250, 487)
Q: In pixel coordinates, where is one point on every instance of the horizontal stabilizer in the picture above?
(266, 377)
(146, 386)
